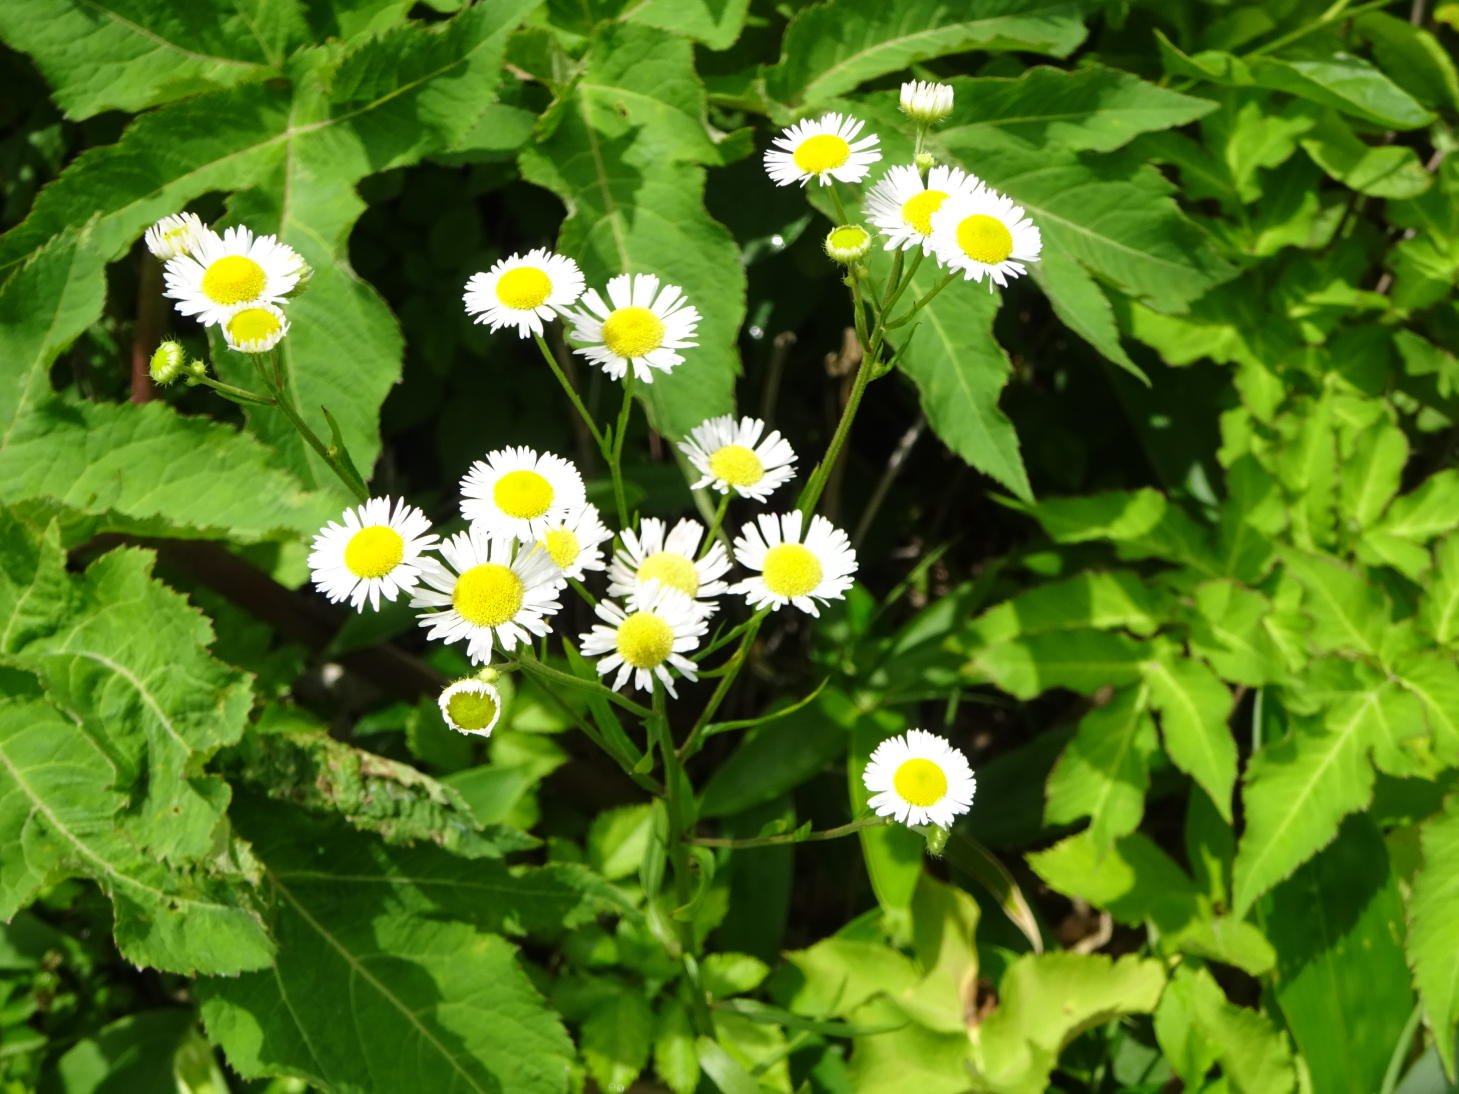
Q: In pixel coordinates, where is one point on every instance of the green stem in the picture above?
(572, 395)
(817, 482)
(793, 837)
(615, 456)
(931, 295)
(724, 639)
(737, 661)
(341, 467)
(715, 524)
(591, 733)
(841, 218)
(236, 394)
(1337, 11)
(674, 807)
(557, 676)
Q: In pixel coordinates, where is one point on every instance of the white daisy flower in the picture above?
(575, 541)
(824, 149)
(901, 205)
(523, 290)
(731, 456)
(643, 327)
(222, 272)
(793, 570)
(659, 627)
(926, 103)
(491, 592)
(255, 328)
(671, 559)
(174, 235)
(919, 778)
(985, 235)
(376, 551)
(519, 492)
(471, 706)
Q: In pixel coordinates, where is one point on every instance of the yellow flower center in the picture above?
(233, 279)
(524, 494)
(791, 570)
(374, 551)
(917, 210)
(471, 711)
(984, 239)
(920, 782)
(253, 325)
(822, 153)
(737, 465)
(633, 332)
(562, 544)
(645, 640)
(487, 595)
(672, 569)
(523, 288)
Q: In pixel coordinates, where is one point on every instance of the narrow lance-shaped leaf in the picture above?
(1194, 705)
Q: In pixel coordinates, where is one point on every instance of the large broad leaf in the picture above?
(1197, 1027)
(1105, 601)
(129, 54)
(1340, 973)
(1346, 83)
(435, 1000)
(1433, 936)
(1078, 658)
(835, 46)
(1104, 771)
(1044, 1002)
(62, 816)
(622, 149)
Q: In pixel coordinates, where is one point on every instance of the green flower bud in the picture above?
(167, 363)
(847, 243)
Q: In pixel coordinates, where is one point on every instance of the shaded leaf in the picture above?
(1104, 771)
(1433, 935)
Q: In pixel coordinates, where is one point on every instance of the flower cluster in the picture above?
(236, 280)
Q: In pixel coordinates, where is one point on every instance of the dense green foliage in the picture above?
(1163, 536)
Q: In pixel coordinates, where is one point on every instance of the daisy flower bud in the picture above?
(471, 706)
(167, 363)
(173, 236)
(926, 103)
(847, 243)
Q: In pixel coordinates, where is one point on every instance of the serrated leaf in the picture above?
(1138, 883)
(1230, 632)
(960, 369)
(131, 55)
(432, 1000)
(1434, 678)
(1439, 612)
(616, 1038)
(1345, 82)
(1080, 659)
(1116, 514)
(717, 24)
(1196, 1027)
(1110, 600)
(1336, 925)
(835, 46)
(1104, 771)
(1384, 171)
(675, 1061)
(1194, 706)
(61, 816)
(1081, 303)
(1045, 1001)
(1433, 934)
(1347, 612)
(1424, 512)
(622, 149)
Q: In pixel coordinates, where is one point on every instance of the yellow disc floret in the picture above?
(644, 640)
(672, 569)
(984, 239)
(487, 595)
(253, 325)
(737, 465)
(824, 152)
(918, 209)
(524, 288)
(233, 279)
(562, 544)
(791, 570)
(633, 332)
(374, 551)
(524, 494)
(920, 782)
(471, 711)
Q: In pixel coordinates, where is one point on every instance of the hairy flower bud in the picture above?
(847, 243)
(167, 363)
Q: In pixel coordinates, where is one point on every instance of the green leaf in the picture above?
(1348, 614)
(838, 975)
(131, 55)
(1348, 84)
(1194, 706)
(833, 47)
(1340, 972)
(1433, 935)
(726, 974)
(1231, 631)
(1116, 515)
(143, 1053)
(1084, 307)
(1413, 519)
(1104, 600)
(1138, 883)
(1434, 678)
(61, 816)
(618, 838)
(1384, 171)
(1196, 1027)
(778, 757)
(960, 370)
(1093, 108)
(1415, 59)
(621, 149)
(616, 1037)
(434, 1001)
(675, 1061)
(910, 1058)
(1044, 1002)
(715, 23)
(1439, 612)
(1080, 659)
(1104, 771)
